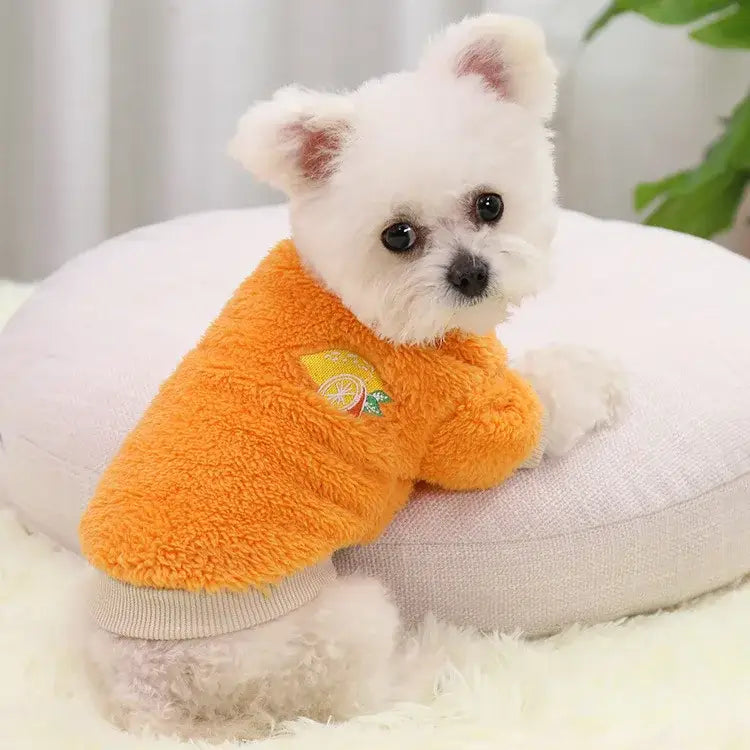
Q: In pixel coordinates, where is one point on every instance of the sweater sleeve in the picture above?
(493, 431)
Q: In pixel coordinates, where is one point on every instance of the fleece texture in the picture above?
(672, 681)
(291, 431)
(675, 680)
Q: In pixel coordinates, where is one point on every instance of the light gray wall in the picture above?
(116, 113)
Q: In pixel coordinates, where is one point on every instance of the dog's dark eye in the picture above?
(400, 237)
(489, 207)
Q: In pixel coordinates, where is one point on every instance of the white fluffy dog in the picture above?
(389, 187)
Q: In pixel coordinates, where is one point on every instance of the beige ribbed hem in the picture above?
(535, 458)
(172, 614)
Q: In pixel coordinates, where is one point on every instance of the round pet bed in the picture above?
(638, 517)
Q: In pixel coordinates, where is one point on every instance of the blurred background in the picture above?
(115, 113)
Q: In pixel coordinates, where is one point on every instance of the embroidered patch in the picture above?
(348, 382)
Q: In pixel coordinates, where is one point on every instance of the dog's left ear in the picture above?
(507, 53)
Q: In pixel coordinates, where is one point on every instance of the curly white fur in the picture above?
(336, 657)
(581, 390)
(418, 145)
(415, 146)
(673, 681)
(329, 660)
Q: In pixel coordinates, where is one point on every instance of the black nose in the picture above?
(469, 274)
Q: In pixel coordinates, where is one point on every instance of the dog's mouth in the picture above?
(464, 302)
(492, 293)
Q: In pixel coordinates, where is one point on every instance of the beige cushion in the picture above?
(639, 517)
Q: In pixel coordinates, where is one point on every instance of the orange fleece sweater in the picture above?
(291, 431)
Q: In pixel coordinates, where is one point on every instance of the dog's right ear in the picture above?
(506, 53)
(294, 140)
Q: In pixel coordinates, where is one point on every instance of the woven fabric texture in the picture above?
(636, 517)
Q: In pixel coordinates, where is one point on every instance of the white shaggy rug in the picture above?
(672, 681)
(11, 296)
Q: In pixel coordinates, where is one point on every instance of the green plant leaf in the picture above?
(707, 210)
(729, 31)
(647, 192)
(677, 12)
(673, 12)
(732, 149)
(611, 11)
(727, 154)
(703, 200)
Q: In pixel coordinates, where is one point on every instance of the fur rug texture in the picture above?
(11, 296)
(677, 680)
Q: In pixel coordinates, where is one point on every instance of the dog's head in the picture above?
(425, 200)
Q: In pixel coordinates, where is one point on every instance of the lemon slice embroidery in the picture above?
(347, 381)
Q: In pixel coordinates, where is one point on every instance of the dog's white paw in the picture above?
(581, 390)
